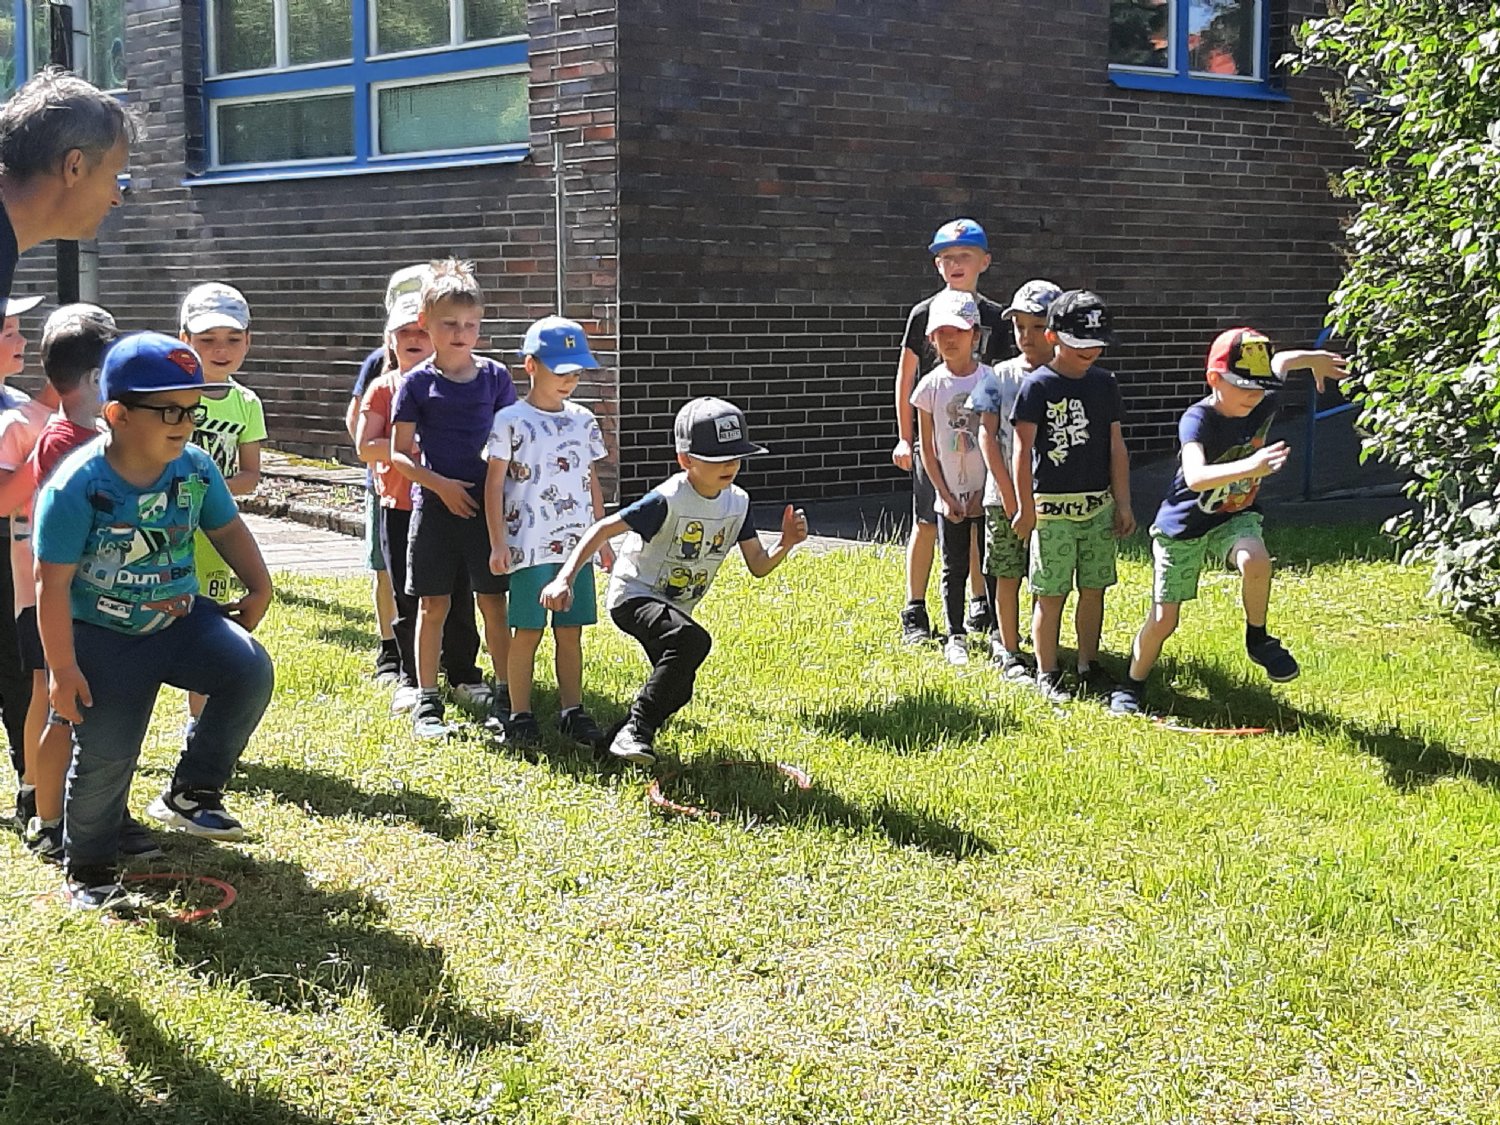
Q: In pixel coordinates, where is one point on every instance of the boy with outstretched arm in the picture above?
(1072, 476)
(1209, 516)
(119, 614)
(541, 495)
(993, 400)
(961, 253)
(676, 537)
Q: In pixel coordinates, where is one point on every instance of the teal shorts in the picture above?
(1179, 562)
(1004, 553)
(525, 609)
(1062, 550)
(375, 559)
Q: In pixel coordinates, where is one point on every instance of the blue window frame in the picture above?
(329, 87)
(1217, 47)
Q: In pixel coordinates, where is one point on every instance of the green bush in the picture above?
(1420, 297)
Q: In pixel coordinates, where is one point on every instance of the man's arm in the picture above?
(761, 562)
(240, 550)
(67, 691)
(1119, 480)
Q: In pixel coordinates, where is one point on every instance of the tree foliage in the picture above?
(1420, 297)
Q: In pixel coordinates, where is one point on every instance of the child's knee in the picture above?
(1161, 622)
(1252, 559)
(695, 643)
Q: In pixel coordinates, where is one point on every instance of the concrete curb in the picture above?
(328, 519)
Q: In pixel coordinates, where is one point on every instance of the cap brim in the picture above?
(566, 365)
(1246, 383)
(961, 325)
(747, 450)
(16, 306)
(1032, 310)
(207, 322)
(1100, 341)
(208, 390)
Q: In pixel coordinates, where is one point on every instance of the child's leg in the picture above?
(977, 588)
(1054, 560)
(1088, 624)
(676, 645)
(385, 604)
(1176, 566)
(48, 748)
(1008, 612)
(1161, 623)
(1253, 562)
(568, 640)
(919, 551)
(1095, 553)
(496, 635)
(461, 636)
(431, 611)
(395, 528)
(380, 583)
(520, 665)
(954, 542)
(1005, 562)
(1046, 623)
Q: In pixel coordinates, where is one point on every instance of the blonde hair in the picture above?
(452, 279)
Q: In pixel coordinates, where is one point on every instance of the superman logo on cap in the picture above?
(184, 359)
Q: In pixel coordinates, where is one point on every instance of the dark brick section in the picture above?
(828, 140)
(313, 255)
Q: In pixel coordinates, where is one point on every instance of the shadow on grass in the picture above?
(299, 947)
(911, 724)
(44, 1085)
(1410, 760)
(326, 794)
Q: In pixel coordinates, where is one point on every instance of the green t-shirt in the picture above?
(232, 421)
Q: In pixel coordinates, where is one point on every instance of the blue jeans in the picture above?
(203, 652)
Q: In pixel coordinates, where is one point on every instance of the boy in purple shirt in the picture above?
(445, 408)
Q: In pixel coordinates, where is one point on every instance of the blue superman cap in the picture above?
(145, 363)
(960, 232)
(561, 344)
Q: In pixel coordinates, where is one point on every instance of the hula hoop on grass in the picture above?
(1167, 723)
(798, 777)
(228, 893)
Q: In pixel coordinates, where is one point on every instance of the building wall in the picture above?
(313, 255)
(783, 168)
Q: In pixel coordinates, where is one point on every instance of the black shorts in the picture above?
(441, 546)
(29, 638)
(923, 495)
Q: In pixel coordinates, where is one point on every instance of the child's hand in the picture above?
(246, 612)
(68, 692)
(901, 456)
(793, 526)
(1270, 458)
(949, 508)
(1023, 523)
(1325, 366)
(606, 558)
(500, 560)
(455, 497)
(557, 595)
(1124, 521)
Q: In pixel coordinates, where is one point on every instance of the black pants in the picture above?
(460, 634)
(15, 681)
(954, 541)
(676, 645)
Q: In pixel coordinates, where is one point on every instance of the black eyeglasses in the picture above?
(173, 415)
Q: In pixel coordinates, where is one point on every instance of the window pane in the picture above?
(7, 51)
(1221, 36)
(406, 25)
(319, 30)
(286, 129)
(107, 44)
(463, 113)
(494, 19)
(1138, 31)
(246, 35)
(41, 36)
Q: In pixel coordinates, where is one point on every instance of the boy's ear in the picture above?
(682, 461)
(114, 412)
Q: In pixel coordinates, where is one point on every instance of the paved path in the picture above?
(295, 547)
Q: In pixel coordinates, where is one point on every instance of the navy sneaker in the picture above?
(916, 626)
(198, 812)
(521, 731)
(137, 842)
(979, 619)
(1272, 655)
(579, 726)
(1093, 681)
(25, 808)
(96, 888)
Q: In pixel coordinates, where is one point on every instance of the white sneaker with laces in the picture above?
(476, 695)
(405, 699)
(956, 651)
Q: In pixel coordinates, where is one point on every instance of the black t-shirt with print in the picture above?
(1073, 418)
(994, 336)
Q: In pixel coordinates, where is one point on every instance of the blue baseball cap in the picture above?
(561, 344)
(960, 232)
(144, 363)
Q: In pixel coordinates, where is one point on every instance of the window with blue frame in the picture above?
(1193, 46)
(312, 86)
(99, 51)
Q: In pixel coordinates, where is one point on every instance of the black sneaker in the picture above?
(198, 812)
(427, 720)
(1125, 700)
(44, 839)
(979, 619)
(1012, 667)
(1093, 681)
(579, 726)
(1272, 655)
(632, 744)
(25, 808)
(95, 888)
(521, 731)
(387, 663)
(1050, 684)
(916, 626)
(136, 841)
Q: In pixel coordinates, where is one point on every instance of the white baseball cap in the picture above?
(952, 308)
(214, 305)
(408, 279)
(405, 310)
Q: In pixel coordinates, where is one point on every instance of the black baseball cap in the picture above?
(1081, 319)
(711, 429)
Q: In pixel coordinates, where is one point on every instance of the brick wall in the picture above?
(783, 167)
(313, 255)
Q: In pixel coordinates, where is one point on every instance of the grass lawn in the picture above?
(981, 911)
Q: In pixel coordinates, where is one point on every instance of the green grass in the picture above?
(982, 911)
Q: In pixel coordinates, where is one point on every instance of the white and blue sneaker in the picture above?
(96, 888)
(198, 812)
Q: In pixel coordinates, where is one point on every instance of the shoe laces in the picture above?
(209, 799)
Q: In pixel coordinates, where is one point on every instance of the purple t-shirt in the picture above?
(453, 420)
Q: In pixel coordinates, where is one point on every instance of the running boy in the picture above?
(1072, 477)
(448, 404)
(1209, 517)
(541, 495)
(949, 448)
(74, 341)
(119, 616)
(993, 400)
(676, 537)
(961, 253)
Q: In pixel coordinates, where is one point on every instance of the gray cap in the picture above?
(214, 305)
(1035, 297)
(711, 429)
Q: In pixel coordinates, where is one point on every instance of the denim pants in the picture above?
(676, 645)
(203, 652)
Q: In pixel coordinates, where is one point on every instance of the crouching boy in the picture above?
(119, 614)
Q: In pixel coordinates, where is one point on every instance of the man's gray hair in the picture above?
(51, 115)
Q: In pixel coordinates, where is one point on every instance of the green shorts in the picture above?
(525, 609)
(1062, 549)
(1004, 553)
(375, 560)
(1180, 561)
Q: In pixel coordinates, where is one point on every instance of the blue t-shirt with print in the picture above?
(453, 420)
(1186, 514)
(133, 546)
